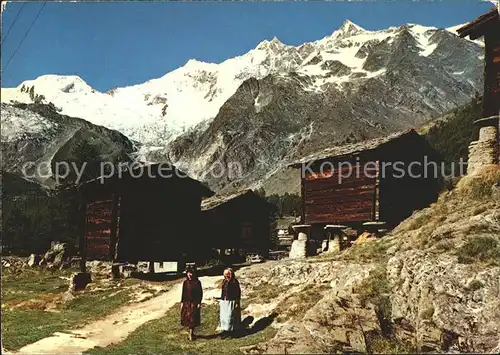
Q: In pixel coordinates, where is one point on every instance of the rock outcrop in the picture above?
(431, 285)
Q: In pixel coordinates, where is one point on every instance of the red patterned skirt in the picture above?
(190, 315)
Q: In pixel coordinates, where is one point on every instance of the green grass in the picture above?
(30, 283)
(27, 293)
(266, 292)
(166, 336)
(370, 251)
(21, 326)
(380, 345)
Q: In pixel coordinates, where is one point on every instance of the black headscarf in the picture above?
(193, 270)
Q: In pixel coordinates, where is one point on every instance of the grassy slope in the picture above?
(32, 306)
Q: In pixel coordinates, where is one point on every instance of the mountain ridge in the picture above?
(277, 101)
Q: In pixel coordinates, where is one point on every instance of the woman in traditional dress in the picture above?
(192, 294)
(230, 311)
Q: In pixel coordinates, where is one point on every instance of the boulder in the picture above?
(79, 281)
(33, 260)
(56, 255)
(143, 266)
(59, 259)
(342, 322)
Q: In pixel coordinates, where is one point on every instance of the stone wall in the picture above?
(485, 150)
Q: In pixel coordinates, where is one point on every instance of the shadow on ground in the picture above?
(245, 329)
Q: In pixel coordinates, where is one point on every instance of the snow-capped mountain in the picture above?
(353, 82)
(161, 109)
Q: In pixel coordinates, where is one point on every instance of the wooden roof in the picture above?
(217, 200)
(480, 25)
(354, 148)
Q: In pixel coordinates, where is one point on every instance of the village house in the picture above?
(379, 182)
(486, 150)
(239, 223)
(145, 213)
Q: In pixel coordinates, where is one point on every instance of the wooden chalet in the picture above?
(488, 26)
(371, 192)
(238, 221)
(146, 213)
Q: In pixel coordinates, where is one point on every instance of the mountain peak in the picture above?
(347, 29)
(58, 82)
(275, 42)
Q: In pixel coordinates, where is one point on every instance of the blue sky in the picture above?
(126, 43)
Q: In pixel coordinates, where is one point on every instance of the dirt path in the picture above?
(117, 326)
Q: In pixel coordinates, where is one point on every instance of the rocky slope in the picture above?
(38, 134)
(265, 107)
(431, 285)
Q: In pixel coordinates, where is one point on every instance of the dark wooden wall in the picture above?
(158, 222)
(325, 200)
(98, 231)
(401, 194)
(225, 225)
(151, 219)
(492, 71)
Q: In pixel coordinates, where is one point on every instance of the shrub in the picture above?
(380, 345)
(445, 245)
(475, 285)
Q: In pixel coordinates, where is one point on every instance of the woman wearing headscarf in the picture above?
(192, 294)
(230, 310)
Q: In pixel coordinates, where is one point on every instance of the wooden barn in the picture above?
(146, 213)
(488, 26)
(238, 221)
(362, 182)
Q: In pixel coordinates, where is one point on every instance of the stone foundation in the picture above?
(331, 246)
(485, 150)
(299, 245)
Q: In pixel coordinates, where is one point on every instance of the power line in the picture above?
(13, 23)
(25, 35)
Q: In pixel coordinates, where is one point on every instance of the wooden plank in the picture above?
(328, 200)
(354, 207)
(98, 229)
(339, 193)
(491, 102)
(355, 171)
(319, 185)
(331, 218)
